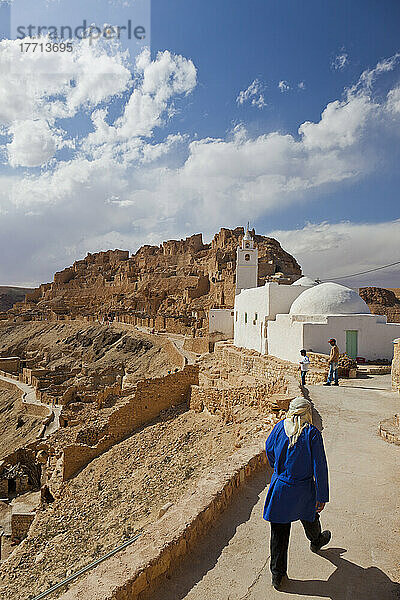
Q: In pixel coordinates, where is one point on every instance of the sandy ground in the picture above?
(119, 493)
(97, 347)
(362, 560)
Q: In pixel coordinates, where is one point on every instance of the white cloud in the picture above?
(301, 85)
(393, 100)
(121, 186)
(253, 94)
(340, 61)
(283, 86)
(50, 86)
(369, 76)
(341, 123)
(334, 250)
(33, 143)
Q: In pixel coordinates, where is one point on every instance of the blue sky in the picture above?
(233, 42)
(283, 113)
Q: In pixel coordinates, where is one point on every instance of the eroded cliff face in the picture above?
(382, 301)
(170, 286)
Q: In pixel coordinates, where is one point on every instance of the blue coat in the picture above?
(300, 476)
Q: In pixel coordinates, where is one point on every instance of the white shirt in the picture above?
(304, 363)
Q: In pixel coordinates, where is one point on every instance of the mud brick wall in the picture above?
(396, 367)
(20, 524)
(150, 397)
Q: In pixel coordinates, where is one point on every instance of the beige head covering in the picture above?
(298, 417)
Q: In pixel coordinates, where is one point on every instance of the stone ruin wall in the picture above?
(171, 286)
(222, 402)
(265, 382)
(149, 398)
(265, 367)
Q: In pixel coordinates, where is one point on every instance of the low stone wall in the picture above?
(20, 524)
(9, 375)
(264, 367)
(149, 398)
(269, 397)
(396, 367)
(198, 345)
(138, 572)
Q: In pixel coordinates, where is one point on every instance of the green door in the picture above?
(352, 343)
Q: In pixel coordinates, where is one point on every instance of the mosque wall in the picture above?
(251, 309)
(375, 336)
(261, 305)
(285, 338)
(287, 335)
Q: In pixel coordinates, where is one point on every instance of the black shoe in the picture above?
(276, 581)
(327, 383)
(335, 384)
(324, 538)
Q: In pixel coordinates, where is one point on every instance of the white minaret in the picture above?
(246, 264)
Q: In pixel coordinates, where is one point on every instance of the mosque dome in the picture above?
(329, 299)
(305, 282)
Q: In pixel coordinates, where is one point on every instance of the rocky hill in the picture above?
(170, 286)
(11, 295)
(382, 301)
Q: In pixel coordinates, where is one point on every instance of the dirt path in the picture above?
(29, 397)
(361, 562)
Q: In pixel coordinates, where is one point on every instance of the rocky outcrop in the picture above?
(170, 286)
(382, 301)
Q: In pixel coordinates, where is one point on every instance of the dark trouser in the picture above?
(303, 377)
(280, 533)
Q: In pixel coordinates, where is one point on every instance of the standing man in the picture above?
(304, 366)
(333, 363)
(299, 484)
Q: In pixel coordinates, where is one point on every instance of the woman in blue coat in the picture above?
(299, 484)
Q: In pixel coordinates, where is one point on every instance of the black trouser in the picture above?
(280, 533)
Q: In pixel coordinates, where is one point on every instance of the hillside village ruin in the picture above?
(193, 345)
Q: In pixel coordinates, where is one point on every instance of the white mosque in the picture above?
(282, 319)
